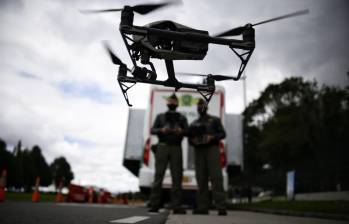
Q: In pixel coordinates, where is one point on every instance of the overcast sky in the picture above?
(58, 88)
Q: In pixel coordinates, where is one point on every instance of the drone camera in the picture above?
(139, 72)
(145, 57)
(143, 73)
(151, 76)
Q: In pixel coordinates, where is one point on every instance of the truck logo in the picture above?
(185, 100)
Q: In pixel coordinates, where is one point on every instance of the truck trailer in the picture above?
(139, 158)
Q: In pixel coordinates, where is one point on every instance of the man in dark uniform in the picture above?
(170, 127)
(204, 134)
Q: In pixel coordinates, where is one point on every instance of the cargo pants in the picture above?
(207, 167)
(172, 155)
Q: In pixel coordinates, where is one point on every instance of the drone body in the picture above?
(170, 48)
(170, 41)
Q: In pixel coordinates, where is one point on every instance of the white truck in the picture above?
(139, 158)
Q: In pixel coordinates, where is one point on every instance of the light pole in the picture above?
(244, 89)
(243, 78)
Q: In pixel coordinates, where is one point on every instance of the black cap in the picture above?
(201, 101)
(173, 96)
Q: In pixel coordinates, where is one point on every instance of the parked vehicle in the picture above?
(76, 193)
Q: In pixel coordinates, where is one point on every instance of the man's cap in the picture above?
(173, 96)
(201, 101)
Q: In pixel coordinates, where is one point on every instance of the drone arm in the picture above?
(137, 30)
(189, 36)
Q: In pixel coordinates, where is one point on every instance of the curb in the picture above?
(299, 214)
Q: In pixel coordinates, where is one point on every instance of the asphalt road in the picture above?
(52, 213)
(242, 217)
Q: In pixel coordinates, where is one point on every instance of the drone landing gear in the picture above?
(207, 95)
(124, 88)
(244, 57)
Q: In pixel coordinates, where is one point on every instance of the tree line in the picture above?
(296, 125)
(23, 165)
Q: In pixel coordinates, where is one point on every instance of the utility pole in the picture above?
(243, 78)
(244, 89)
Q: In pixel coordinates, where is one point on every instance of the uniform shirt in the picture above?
(206, 125)
(172, 121)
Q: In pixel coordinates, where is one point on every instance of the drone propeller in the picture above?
(115, 59)
(214, 77)
(141, 9)
(112, 56)
(238, 30)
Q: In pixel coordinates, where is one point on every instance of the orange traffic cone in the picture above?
(59, 197)
(36, 194)
(125, 199)
(3, 185)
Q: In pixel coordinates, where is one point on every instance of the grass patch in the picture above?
(328, 207)
(20, 196)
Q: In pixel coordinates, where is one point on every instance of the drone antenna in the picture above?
(298, 13)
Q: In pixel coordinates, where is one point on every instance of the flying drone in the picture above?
(170, 41)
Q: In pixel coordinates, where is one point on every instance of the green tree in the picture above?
(26, 166)
(6, 162)
(279, 122)
(18, 166)
(334, 136)
(295, 125)
(40, 166)
(28, 170)
(61, 171)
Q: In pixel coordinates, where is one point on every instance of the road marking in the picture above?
(132, 219)
(97, 205)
